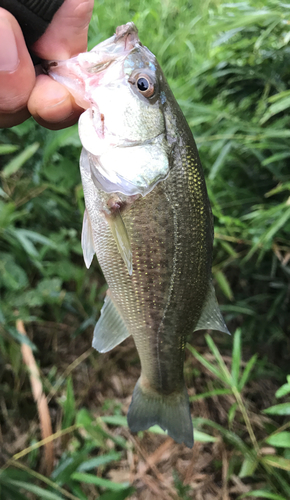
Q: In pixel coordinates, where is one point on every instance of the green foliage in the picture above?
(250, 450)
(228, 66)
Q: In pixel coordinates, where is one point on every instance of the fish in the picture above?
(148, 220)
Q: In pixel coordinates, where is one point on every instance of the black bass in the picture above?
(147, 218)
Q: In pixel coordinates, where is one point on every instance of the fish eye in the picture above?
(145, 86)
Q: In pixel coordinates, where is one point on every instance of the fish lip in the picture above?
(129, 34)
(90, 65)
(124, 41)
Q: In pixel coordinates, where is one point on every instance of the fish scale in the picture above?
(147, 218)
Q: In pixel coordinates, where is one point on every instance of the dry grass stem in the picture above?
(40, 399)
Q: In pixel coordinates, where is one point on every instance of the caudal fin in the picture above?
(171, 413)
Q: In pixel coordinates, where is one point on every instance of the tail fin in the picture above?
(171, 413)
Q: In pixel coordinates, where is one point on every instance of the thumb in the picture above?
(66, 35)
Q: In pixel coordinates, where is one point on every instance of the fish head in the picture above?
(119, 83)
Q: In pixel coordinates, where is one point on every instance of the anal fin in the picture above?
(87, 240)
(211, 316)
(110, 330)
(121, 237)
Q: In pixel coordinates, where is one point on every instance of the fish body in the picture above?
(147, 218)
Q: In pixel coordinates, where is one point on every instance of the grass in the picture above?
(227, 64)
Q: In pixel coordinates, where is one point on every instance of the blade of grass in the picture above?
(215, 371)
(99, 481)
(18, 161)
(236, 360)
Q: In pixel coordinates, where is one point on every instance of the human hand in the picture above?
(22, 93)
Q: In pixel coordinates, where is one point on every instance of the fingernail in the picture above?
(55, 95)
(9, 59)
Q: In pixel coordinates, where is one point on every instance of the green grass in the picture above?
(228, 66)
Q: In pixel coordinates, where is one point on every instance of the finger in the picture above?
(17, 75)
(66, 36)
(8, 120)
(51, 104)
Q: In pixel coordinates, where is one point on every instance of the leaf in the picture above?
(232, 412)
(262, 494)
(236, 357)
(83, 418)
(276, 157)
(209, 394)
(250, 19)
(49, 289)
(12, 276)
(248, 468)
(6, 149)
(7, 214)
(224, 285)
(99, 481)
(202, 437)
(267, 236)
(119, 420)
(22, 339)
(25, 242)
(98, 461)
(246, 373)
(225, 375)
(276, 461)
(37, 490)
(220, 159)
(229, 436)
(275, 108)
(283, 391)
(117, 495)
(9, 492)
(279, 439)
(37, 238)
(155, 429)
(58, 139)
(18, 161)
(281, 409)
(77, 491)
(212, 368)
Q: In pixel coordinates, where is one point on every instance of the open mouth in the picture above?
(85, 72)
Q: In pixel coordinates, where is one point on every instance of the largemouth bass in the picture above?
(147, 218)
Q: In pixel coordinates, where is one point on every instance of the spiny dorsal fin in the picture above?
(87, 240)
(110, 330)
(211, 317)
(121, 237)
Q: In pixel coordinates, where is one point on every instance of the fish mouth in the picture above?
(86, 70)
(128, 35)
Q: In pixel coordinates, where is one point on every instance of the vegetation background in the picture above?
(228, 65)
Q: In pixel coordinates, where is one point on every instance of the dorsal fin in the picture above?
(87, 240)
(110, 330)
(211, 317)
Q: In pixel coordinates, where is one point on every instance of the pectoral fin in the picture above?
(121, 237)
(211, 317)
(87, 241)
(110, 330)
